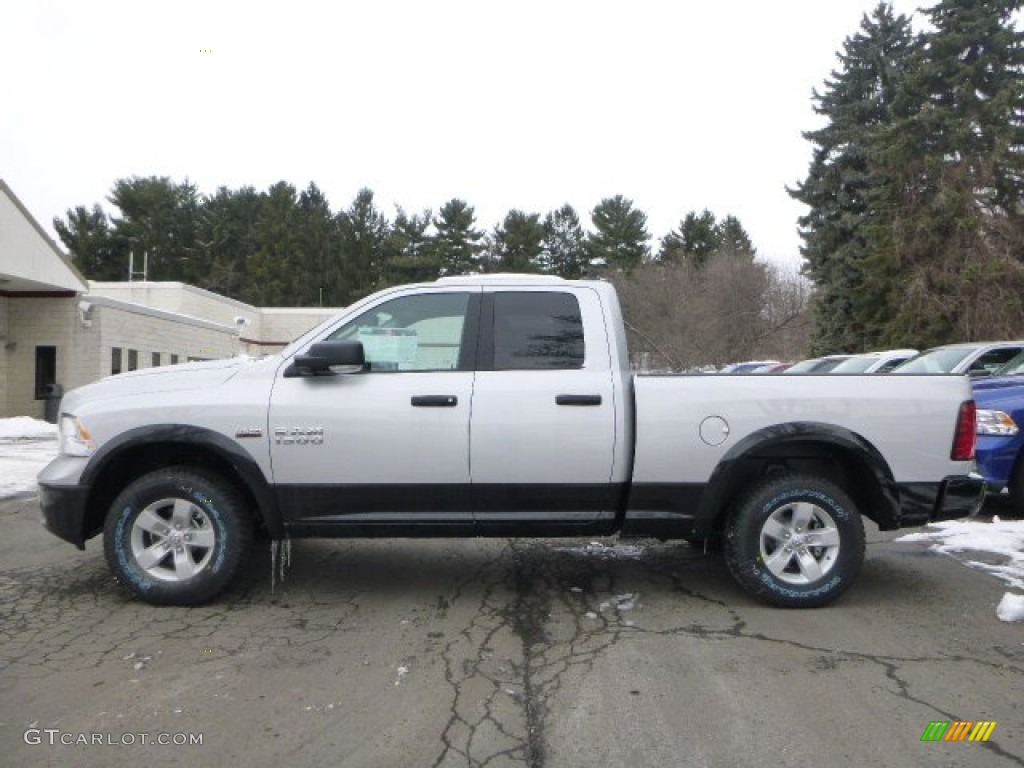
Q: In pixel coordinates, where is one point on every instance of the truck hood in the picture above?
(996, 391)
(163, 379)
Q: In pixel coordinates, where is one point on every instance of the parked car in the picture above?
(817, 364)
(875, 362)
(748, 367)
(773, 368)
(499, 406)
(1000, 450)
(977, 358)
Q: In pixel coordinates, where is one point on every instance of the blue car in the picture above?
(1000, 401)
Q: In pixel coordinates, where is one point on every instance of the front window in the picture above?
(423, 332)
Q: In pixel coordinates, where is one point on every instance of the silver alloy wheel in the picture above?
(799, 543)
(172, 539)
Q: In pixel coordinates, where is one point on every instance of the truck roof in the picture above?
(498, 278)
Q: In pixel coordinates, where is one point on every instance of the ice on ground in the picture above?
(1011, 607)
(606, 551)
(402, 672)
(26, 446)
(1002, 538)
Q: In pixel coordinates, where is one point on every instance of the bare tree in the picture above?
(683, 317)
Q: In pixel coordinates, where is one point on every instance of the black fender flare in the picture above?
(227, 449)
(885, 507)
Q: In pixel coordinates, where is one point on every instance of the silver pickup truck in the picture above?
(500, 406)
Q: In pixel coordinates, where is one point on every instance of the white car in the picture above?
(976, 358)
(875, 362)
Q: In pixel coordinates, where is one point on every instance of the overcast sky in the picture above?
(678, 106)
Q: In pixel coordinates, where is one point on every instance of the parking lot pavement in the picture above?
(503, 652)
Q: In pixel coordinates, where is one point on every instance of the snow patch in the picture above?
(1011, 607)
(1003, 539)
(26, 446)
(402, 672)
(606, 551)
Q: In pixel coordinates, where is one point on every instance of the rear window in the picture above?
(537, 330)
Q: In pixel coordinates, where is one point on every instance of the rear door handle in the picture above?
(578, 399)
(435, 401)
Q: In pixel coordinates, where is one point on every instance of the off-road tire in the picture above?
(177, 536)
(795, 541)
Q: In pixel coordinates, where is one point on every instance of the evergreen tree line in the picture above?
(283, 247)
(915, 233)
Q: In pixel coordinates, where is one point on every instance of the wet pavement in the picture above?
(498, 653)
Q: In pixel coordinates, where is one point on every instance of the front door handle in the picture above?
(435, 401)
(578, 400)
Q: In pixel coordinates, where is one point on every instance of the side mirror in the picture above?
(326, 358)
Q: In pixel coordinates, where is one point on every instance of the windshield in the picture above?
(855, 365)
(935, 361)
(1013, 367)
(804, 366)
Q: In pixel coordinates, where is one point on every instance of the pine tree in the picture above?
(456, 244)
(88, 237)
(948, 238)
(408, 256)
(620, 237)
(517, 243)
(868, 91)
(226, 231)
(695, 240)
(275, 267)
(363, 232)
(564, 247)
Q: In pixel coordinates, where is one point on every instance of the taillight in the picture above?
(965, 436)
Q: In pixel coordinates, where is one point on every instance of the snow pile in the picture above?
(22, 428)
(26, 446)
(1011, 607)
(1003, 539)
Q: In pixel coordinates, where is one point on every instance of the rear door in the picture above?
(543, 423)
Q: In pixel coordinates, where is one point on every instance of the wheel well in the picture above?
(848, 468)
(133, 462)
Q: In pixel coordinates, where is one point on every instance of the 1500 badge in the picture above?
(299, 435)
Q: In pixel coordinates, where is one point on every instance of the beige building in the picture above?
(58, 331)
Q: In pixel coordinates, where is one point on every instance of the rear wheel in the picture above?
(177, 536)
(795, 541)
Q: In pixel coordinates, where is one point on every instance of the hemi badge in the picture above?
(251, 432)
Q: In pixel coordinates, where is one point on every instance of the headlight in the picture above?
(75, 439)
(996, 423)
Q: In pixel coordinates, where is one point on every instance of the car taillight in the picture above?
(965, 436)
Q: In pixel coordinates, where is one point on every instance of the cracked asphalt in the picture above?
(499, 653)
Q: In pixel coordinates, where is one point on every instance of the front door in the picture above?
(385, 450)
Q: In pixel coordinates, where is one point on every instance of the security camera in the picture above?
(240, 321)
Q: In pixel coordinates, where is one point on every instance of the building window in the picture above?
(115, 360)
(156, 359)
(133, 359)
(46, 370)
(174, 359)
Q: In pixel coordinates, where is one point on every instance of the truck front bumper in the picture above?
(951, 499)
(62, 499)
(63, 511)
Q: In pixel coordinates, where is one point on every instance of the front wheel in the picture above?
(795, 541)
(177, 536)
